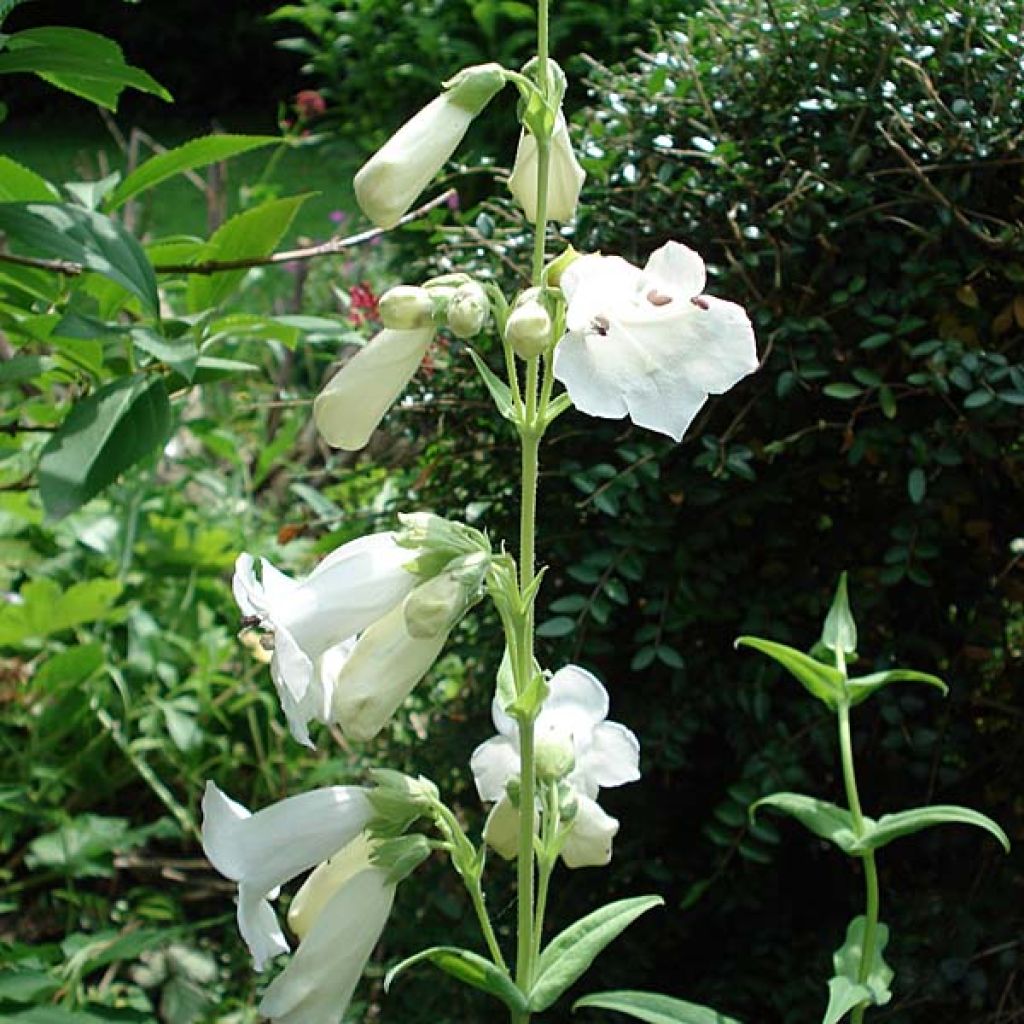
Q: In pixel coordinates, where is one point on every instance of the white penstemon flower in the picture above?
(648, 343)
(603, 753)
(338, 914)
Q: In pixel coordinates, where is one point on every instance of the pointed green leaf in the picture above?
(469, 968)
(904, 823)
(821, 681)
(653, 1008)
(819, 816)
(251, 234)
(858, 690)
(840, 631)
(846, 990)
(20, 185)
(570, 953)
(66, 232)
(188, 157)
(104, 434)
(499, 390)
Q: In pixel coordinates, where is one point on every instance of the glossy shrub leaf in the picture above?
(905, 823)
(251, 234)
(20, 185)
(469, 968)
(819, 816)
(499, 390)
(104, 434)
(840, 630)
(859, 689)
(81, 62)
(43, 609)
(193, 154)
(820, 680)
(846, 990)
(570, 953)
(653, 1008)
(66, 232)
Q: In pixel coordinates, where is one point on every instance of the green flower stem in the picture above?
(870, 868)
(476, 894)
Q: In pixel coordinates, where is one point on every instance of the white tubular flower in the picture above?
(353, 587)
(565, 176)
(265, 850)
(356, 398)
(646, 342)
(390, 181)
(604, 754)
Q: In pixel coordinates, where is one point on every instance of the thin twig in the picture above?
(54, 266)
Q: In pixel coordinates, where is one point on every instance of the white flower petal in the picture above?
(588, 284)
(293, 676)
(589, 843)
(678, 269)
(246, 588)
(493, 763)
(590, 369)
(317, 985)
(613, 756)
(262, 851)
(325, 880)
(716, 348)
(578, 696)
(356, 398)
(565, 176)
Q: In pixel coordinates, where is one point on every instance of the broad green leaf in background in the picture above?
(820, 680)
(67, 232)
(653, 1008)
(43, 609)
(570, 953)
(104, 434)
(859, 689)
(193, 154)
(469, 968)
(20, 185)
(81, 62)
(819, 816)
(251, 234)
(74, 665)
(894, 826)
(85, 845)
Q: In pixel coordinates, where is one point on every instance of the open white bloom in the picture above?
(356, 398)
(338, 914)
(352, 588)
(565, 176)
(390, 181)
(603, 753)
(646, 342)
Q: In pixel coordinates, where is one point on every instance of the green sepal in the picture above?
(506, 681)
(401, 856)
(438, 540)
(653, 1008)
(846, 991)
(556, 408)
(819, 680)
(398, 801)
(570, 953)
(819, 816)
(840, 631)
(527, 705)
(858, 690)
(499, 390)
(469, 968)
(904, 823)
(474, 87)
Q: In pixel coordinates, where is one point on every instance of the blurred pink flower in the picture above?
(309, 104)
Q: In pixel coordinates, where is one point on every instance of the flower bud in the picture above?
(554, 760)
(528, 328)
(467, 310)
(356, 398)
(435, 606)
(405, 308)
(325, 881)
(565, 176)
(392, 179)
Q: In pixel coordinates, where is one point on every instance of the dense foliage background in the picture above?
(853, 176)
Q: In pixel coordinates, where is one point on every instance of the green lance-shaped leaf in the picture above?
(840, 631)
(653, 1008)
(821, 681)
(858, 690)
(845, 990)
(20, 185)
(188, 157)
(904, 823)
(104, 434)
(66, 232)
(252, 234)
(469, 968)
(500, 391)
(819, 816)
(570, 953)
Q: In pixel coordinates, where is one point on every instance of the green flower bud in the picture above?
(406, 307)
(434, 607)
(554, 760)
(468, 309)
(528, 328)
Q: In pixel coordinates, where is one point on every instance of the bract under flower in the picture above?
(646, 343)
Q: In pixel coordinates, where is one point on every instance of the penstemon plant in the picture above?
(352, 639)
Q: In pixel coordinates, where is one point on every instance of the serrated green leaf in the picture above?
(653, 1008)
(469, 968)
(499, 390)
(819, 816)
(44, 609)
(105, 433)
(840, 629)
(188, 157)
(821, 681)
(67, 232)
(859, 689)
(570, 953)
(903, 823)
